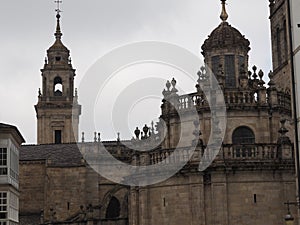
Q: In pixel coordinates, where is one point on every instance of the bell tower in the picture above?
(57, 109)
(279, 17)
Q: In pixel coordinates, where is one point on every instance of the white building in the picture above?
(10, 141)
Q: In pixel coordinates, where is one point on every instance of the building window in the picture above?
(242, 139)
(242, 65)
(3, 161)
(14, 165)
(58, 89)
(215, 62)
(285, 41)
(278, 46)
(230, 71)
(243, 135)
(3, 206)
(113, 209)
(57, 136)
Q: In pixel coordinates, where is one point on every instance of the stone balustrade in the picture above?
(237, 97)
(251, 152)
(228, 152)
(233, 98)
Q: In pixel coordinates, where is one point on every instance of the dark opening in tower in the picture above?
(58, 87)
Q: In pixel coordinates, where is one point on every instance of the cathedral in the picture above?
(247, 182)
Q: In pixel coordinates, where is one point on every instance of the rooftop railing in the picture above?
(233, 98)
(250, 152)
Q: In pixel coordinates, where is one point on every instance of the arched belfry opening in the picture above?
(58, 86)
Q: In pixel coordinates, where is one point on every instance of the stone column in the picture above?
(134, 207)
(143, 206)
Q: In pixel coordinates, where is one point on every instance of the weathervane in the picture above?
(58, 2)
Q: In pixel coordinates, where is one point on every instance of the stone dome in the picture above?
(225, 37)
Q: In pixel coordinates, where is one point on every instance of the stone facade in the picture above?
(233, 190)
(247, 182)
(280, 44)
(228, 198)
(63, 186)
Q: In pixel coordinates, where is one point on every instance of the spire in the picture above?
(224, 15)
(58, 53)
(58, 33)
(58, 45)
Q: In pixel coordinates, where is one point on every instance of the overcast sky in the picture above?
(92, 28)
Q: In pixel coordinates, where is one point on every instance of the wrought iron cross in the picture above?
(58, 2)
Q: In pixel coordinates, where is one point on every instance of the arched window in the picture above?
(242, 138)
(113, 209)
(58, 86)
(243, 135)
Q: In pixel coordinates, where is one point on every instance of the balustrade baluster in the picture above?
(167, 158)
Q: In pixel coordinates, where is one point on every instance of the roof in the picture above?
(69, 155)
(58, 46)
(3, 125)
(6, 127)
(55, 154)
(33, 219)
(225, 36)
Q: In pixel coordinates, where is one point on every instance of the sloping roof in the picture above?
(58, 46)
(68, 155)
(33, 219)
(55, 154)
(4, 126)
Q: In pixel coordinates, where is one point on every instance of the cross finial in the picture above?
(58, 33)
(58, 2)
